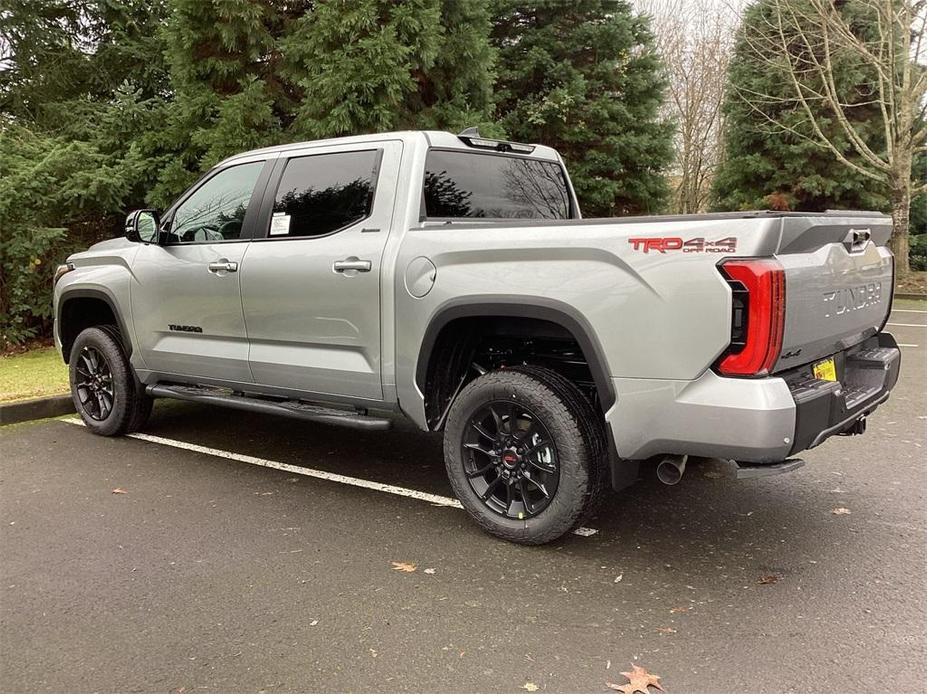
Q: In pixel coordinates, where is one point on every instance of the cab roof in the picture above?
(432, 138)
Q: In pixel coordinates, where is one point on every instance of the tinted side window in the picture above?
(469, 184)
(323, 193)
(216, 210)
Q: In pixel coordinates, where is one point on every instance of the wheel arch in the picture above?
(82, 308)
(547, 310)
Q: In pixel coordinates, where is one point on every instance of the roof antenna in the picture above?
(472, 131)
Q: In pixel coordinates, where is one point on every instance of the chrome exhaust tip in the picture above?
(671, 469)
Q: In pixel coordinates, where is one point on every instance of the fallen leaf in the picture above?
(530, 687)
(638, 681)
(404, 566)
(677, 610)
(430, 572)
(618, 578)
(119, 490)
(768, 579)
(841, 511)
(666, 630)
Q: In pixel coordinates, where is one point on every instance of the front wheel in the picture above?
(104, 389)
(525, 454)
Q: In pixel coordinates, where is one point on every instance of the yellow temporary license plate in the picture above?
(825, 370)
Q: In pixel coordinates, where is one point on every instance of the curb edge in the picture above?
(36, 408)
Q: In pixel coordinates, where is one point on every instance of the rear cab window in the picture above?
(460, 184)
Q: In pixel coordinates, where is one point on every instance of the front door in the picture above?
(311, 285)
(186, 294)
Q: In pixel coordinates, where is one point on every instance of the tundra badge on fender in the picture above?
(185, 328)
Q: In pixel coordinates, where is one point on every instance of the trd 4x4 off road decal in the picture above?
(675, 243)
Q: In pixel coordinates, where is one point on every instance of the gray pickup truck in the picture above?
(451, 278)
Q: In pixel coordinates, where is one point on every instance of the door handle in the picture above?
(222, 266)
(352, 263)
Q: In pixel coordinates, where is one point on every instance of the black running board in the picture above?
(295, 409)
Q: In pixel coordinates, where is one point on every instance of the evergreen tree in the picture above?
(583, 76)
(771, 159)
(62, 55)
(41, 57)
(83, 86)
(223, 63)
(457, 91)
(375, 65)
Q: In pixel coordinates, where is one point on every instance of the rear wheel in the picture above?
(525, 454)
(104, 389)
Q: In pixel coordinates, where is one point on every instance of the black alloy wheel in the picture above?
(510, 460)
(104, 389)
(525, 453)
(94, 384)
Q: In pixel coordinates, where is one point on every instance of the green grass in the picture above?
(35, 374)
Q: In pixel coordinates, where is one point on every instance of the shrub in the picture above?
(48, 187)
(918, 253)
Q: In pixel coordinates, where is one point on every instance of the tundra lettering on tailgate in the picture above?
(846, 299)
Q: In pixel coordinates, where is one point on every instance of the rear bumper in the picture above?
(866, 375)
(751, 420)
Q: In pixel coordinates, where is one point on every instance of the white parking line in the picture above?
(907, 310)
(309, 472)
(908, 325)
(901, 344)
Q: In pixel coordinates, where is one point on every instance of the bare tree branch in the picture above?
(808, 42)
(696, 40)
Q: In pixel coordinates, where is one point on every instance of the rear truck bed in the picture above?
(807, 357)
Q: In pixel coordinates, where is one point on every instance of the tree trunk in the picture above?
(901, 214)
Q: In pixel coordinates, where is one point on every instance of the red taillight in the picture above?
(759, 316)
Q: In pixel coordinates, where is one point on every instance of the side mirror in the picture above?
(142, 226)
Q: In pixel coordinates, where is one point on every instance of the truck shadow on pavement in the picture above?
(706, 527)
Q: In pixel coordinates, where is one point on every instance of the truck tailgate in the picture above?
(838, 283)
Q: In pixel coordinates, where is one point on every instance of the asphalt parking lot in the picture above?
(212, 574)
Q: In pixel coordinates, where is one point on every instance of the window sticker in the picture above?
(280, 224)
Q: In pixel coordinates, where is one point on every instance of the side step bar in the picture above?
(750, 471)
(295, 409)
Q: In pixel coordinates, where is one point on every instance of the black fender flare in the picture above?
(536, 307)
(106, 297)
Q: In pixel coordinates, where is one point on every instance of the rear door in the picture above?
(186, 297)
(311, 281)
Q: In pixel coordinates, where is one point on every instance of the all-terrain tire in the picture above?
(594, 429)
(143, 402)
(578, 443)
(113, 401)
